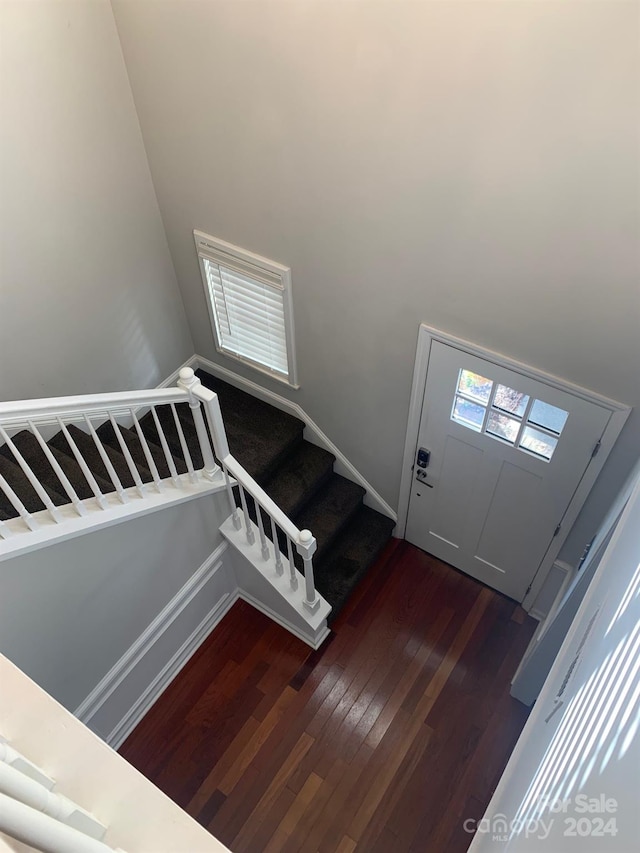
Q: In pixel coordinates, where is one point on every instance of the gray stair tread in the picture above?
(260, 436)
(18, 481)
(302, 474)
(167, 423)
(134, 445)
(330, 511)
(352, 553)
(87, 446)
(28, 446)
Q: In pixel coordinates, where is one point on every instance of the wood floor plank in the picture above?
(347, 845)
(299, 840)
(268, 827)
(295, 811)
(253, 745)
(351, 790)
(396, 791)
(385, 739)
(256, 817)
(226, 763)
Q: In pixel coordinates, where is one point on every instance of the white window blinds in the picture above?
(249, 302)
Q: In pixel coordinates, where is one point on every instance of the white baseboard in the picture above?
(312, 431)
(284, 623)
(125, 694)
(553, 591)
(143, 704)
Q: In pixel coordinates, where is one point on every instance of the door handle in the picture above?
(421, 477)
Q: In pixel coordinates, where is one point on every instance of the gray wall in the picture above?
(88, 296)
(69, 611)
(470, 165)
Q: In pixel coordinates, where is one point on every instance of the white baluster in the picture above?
(190, 382)
(306, 547)
(107, 462)
(151, 464)
(71, 492)
(165, 447)
(37, 485)
(293, 577)
(237, 521)
(5, 530)
(93, 485)
(247, 518)
(276, 546)
(17, 504)
(263, 539)
(24, 765)
(183, 445)
(26, 790)
(44, 833)
(133, 468)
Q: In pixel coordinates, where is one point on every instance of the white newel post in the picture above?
(190, 382)
(306, 547)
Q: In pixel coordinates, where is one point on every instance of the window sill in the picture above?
(283, 380)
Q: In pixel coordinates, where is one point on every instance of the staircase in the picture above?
(299, 477)
(101, 459)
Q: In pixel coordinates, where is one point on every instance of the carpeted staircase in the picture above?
(267, 442)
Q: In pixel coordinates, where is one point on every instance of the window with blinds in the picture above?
(249, 299)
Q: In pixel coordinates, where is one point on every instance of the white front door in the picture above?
(499, 457)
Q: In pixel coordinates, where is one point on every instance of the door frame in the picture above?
(619, 414)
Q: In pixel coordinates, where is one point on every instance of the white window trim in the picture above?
(219, 252)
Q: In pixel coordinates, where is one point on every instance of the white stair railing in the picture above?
(31, 812)
(44, 833)
(303, 540)
(40, 417)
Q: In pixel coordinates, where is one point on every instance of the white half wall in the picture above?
(121, 699)
(473, 166)
(88, 295)
(138, 816)
(572, 781)
(70, 612)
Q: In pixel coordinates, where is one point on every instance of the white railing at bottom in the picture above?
(91, 411)
(303, 540)
(30, 812)
(42, 832)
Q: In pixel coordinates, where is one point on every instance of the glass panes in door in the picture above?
(507, 415)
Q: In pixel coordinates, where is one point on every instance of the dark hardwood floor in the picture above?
(384, 740)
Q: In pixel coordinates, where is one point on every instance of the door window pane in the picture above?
(510, 400)
(502, 426)
(468, 414)
(504, 417)
(538, 443)
(474, 385)
(547, 416)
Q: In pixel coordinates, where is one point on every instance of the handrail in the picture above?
(22, 410)
(261, 497)
(58, 413)
(36, 415)
(303, 540)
